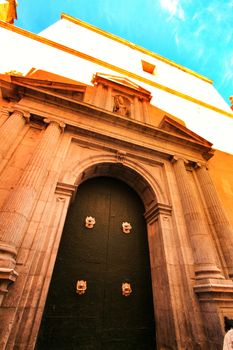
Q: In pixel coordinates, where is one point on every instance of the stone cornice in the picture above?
(66, 190)
(117, 120)
(185, 137)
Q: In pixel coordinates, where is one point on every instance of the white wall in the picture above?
(108, 50)
(21, 53)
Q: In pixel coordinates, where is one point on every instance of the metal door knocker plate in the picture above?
(81, 287)
(126, 289)
(126, 227)
(89, 222)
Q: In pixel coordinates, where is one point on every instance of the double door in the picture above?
(102, 262)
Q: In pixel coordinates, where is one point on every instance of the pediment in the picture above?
(176, 129)
(120, 81)
(44, 83)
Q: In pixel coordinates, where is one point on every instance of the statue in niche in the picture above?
(121, 105)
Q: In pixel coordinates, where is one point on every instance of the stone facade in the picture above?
(50, 143)
(55, 133)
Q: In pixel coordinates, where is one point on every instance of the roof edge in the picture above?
(62, 47)
(134, 46)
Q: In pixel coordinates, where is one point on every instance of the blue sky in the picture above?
(197, 34)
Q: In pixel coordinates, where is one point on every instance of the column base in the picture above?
(6, 277)
(214, 289)
(208, 272)
(230, 272)
(7, 267)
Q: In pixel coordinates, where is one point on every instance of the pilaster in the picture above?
(18, 206)
(202, 245)
(136, 108)
(10, 129)
(145, 111)
(218, 216)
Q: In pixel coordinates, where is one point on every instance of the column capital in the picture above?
(175, 158)
(24, 114)
(5, 110)
(58, 122)
(198, 165)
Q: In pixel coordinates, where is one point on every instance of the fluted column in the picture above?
(10, 129)
(136, 108)
(201, 241)
(218, 216)
(18, 206)
(108, 102)
(98, 99)
(145, 111)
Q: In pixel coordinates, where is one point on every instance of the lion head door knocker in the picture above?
(89, 222)
(126, 289)
(126, 227)
(81, 287)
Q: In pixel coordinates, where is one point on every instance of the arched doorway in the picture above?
(105, 257)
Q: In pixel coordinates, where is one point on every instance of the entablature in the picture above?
(97, 124)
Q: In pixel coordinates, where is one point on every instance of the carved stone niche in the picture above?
(122, 105)
(120, 95)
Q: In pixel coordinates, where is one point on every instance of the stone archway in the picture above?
(159, 231)
(105, 257)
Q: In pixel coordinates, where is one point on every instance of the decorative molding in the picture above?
(120, 156)
(212, 290)
(5, 110)
(24, 113)
(7, 276)
(113, 119)
(66, 190)
(158, 209)
(58, 122)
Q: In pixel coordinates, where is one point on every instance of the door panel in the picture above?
(104, 256)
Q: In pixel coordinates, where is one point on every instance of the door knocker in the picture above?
(81, 287)
(126, 227)
(126, 289)
(89, 222)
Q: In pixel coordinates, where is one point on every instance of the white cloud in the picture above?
(174, 8)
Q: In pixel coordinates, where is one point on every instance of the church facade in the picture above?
(115, 220)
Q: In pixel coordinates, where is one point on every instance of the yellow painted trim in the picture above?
(134, 46)
(111, 67)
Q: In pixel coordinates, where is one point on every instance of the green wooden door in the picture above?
(105, 257)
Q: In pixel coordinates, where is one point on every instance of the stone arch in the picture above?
(131, 172)
(157, 215)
